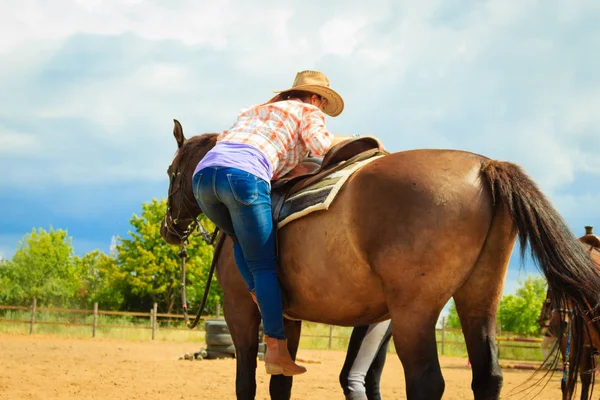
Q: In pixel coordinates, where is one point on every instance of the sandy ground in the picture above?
(43, 367)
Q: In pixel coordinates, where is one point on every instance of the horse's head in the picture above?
(182, 208)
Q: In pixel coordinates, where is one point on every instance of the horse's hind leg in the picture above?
(413, 330)
(280, 387)
(477, 303)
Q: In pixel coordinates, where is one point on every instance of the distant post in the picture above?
(153, 319)
(443, 333)
(33, 304)
(330, 336)
(95, 319)
(498, 333)
(218, 310)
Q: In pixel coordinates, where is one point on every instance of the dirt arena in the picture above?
(42, 367)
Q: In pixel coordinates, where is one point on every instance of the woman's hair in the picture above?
(297, 94)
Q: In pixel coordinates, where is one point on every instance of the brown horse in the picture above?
(560, 325)
(407, 232)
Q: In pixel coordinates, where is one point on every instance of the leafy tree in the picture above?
(519, 312)
(5, 282)
(42, 267)
(98, 275)
(452, 320)
(149, 269)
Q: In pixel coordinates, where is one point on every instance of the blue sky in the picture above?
(89, 89)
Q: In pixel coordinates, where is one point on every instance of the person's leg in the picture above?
(242, 265)
(356, 338)
(203, 184)
(248, 199)
(249, 202)
(373, 378)
(364, 346)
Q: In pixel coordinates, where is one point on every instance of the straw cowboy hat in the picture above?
(316, 82)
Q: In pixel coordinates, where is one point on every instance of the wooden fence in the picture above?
(501, 341)
(506, 341)
(152, 316)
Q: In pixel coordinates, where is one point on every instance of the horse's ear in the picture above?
(178, 133)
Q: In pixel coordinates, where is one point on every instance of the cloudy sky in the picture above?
(89, 89)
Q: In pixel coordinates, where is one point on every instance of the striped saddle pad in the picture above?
(319, 195)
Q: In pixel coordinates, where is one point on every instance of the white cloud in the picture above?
(163, 77)
(341, 36)
(581, 206)
(500, 79)
(17, 143)
(192, 22)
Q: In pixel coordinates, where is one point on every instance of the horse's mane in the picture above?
(196, 144)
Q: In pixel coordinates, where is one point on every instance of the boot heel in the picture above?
(273, 369)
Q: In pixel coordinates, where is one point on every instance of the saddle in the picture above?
(312, 170)
(591, 240)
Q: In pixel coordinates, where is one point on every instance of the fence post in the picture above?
(498, 333)
(330, 335)
(95, 320)
(33, 304)
(218, 310)
(443, 333)
(153, 313)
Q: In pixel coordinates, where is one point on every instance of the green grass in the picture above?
(314, 336)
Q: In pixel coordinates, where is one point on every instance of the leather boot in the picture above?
(278, 360)
(253, 294)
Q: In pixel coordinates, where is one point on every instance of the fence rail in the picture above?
(504, 341)
(152, 315)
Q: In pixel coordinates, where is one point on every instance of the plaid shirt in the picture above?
(284, 131)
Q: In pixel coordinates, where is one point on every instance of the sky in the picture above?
(89, 90)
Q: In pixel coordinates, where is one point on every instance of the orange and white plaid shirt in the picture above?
(284, 131)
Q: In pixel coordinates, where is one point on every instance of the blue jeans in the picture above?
(239, 203)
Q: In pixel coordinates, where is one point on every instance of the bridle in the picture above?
(177, 183)
(190, 223)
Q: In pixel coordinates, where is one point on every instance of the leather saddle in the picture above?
(591, 240)
(312, 170)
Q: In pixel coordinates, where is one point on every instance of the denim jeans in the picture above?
(239, 203)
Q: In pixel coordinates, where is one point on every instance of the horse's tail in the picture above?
(573, 277)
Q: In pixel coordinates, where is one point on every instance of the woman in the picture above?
(365, 359)
(232, 187)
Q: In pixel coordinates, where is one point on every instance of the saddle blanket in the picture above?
(319, 195)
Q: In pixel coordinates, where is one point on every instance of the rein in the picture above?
(210, 240)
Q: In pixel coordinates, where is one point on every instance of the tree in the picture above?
(452, 320)
(150, 269)
(519, 312)
(42, 267)
(99, 276)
